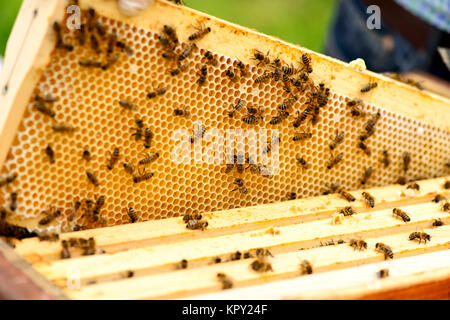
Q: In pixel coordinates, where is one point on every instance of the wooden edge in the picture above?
(421, 273)
(239, 42)
(269, 216)
(19, 281)
(27, 54)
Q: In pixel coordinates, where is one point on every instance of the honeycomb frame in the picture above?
(88, 100)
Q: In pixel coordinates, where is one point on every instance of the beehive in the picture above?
(88, 100)
(411, 121)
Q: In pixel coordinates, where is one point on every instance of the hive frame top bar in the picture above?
(27, 55)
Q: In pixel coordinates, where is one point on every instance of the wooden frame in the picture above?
(247, 228)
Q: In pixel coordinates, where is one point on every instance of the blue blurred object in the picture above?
(385, 49)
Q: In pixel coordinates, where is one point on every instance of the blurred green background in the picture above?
(303, 22)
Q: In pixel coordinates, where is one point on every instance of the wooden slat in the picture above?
(203, 279)
(225, 222)
(406, 277)
(293, 237)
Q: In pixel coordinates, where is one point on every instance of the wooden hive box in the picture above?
(144, 260)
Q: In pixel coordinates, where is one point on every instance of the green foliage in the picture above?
(303, 22)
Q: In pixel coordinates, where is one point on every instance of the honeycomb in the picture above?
(88, 100)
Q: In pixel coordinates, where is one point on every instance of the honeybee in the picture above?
(401, 180)
(121, 45)
(370, 126)
(369, 86)
(112, 39)
(369, 199)
(402, 214)
(236, 256)
(3, 213)
(138, 131)
(211, 59)
(236, 108)
(197, 224)
(99, 204)
(288, 103)
(337, 140)
(262, 252)
(7, 180)
(101, 30)
(81, 35)
(95, 44)
(274, 142)
(73, 212)
(59, 40)
(261, 58)
(347, 211)
(301, 117)
(52, 237)
(279, 118)
(132, 215)
(306, 60)
(92, 178)
(171, 33)
(202, 76)
(50, 154)
(13, 204)
(148, 137)
(335, 160)
(347, 196)
(187, 51)
(438, 198)
(302, 136)
(166, 42)
(446, 184)
(302, 162)
(385, 160)
(364, 148)
(183, 264)
(437, 223)
(42, 108)
(113, 159)
(243, 69)
(170, 55)
(240, 186)
(276, 74)
(414, 186)
(149, 158)
(240, 165)
(63, 128)
(202, 31)
(180, 68)
(110, 60)
(143, 176)
(128, 105)
(234, 77)
(421, 236)
(333, 188)
(291, 196)
(89, 249)
(263, 78)
(181, 112)
(406, 161)
(261, 265)
(252, 119)
(446, 207)
(129, 167)
(358, 244)
(367, 175)
(383, 273)
(306, 267)
(65, 252)
(52, 215)
(322, 96)
(157, 92)
(88, 63)
(386, 250)
(227, 282)
(91, 18)
(45, 99)
(86, 155)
